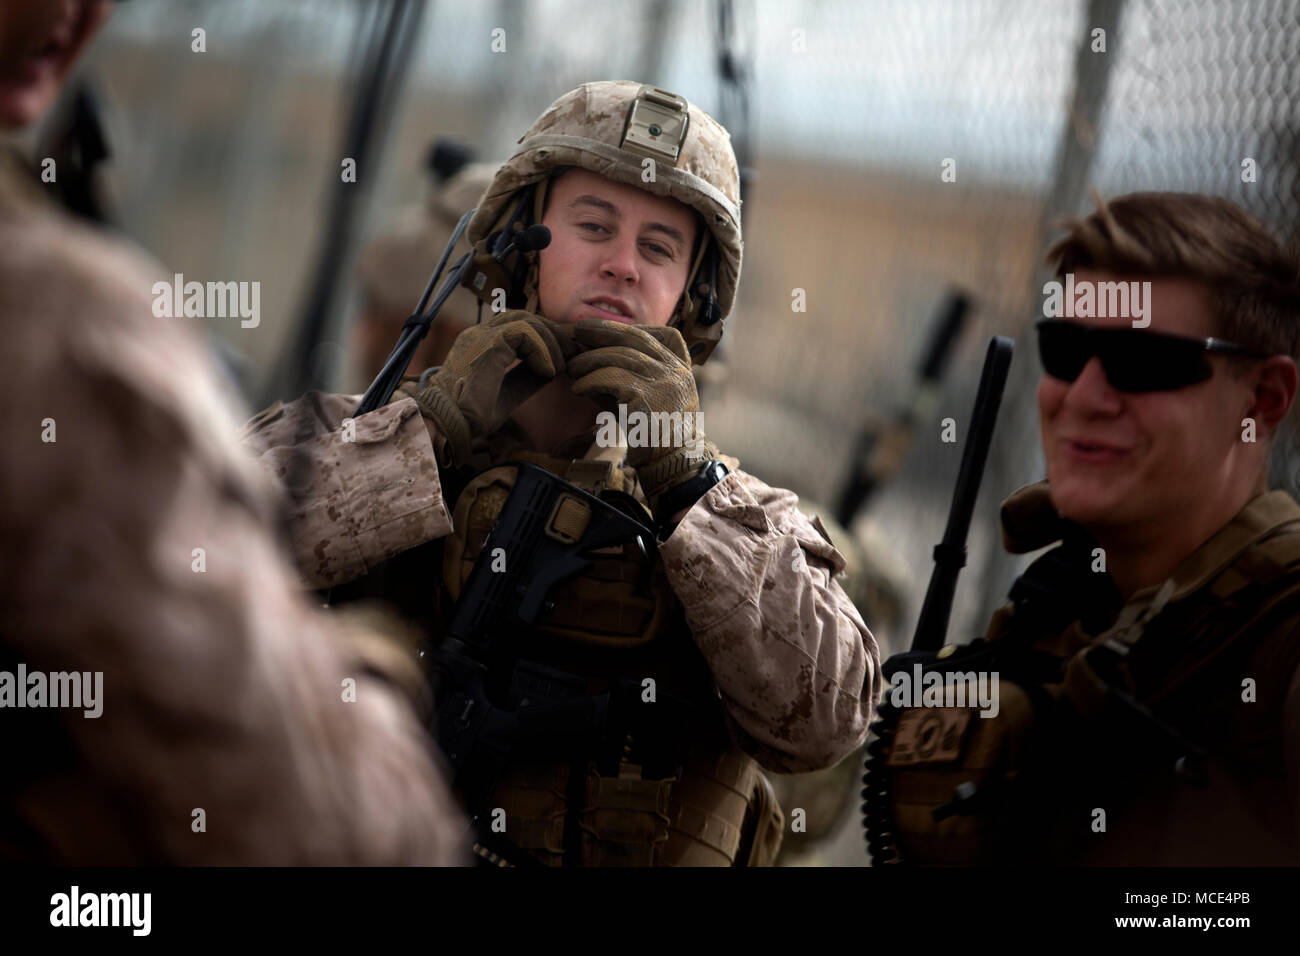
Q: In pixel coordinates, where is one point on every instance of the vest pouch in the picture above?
(941, 774)
(625, 819)
(764, 826)
(621, 600)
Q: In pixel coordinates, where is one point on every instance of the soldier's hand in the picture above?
(648, 370)
(491, 368)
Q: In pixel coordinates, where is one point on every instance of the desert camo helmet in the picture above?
(655, 140)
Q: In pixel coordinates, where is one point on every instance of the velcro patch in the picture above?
(928, 736)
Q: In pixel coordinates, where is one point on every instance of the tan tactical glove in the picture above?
(491, 368)
(647, 369)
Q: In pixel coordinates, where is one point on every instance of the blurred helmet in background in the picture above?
(394, 268)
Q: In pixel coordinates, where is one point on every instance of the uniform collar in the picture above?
(1030, 522)
(1257, 520)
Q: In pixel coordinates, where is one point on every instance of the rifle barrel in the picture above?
(950, 553)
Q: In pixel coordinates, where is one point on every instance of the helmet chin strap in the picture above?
(687, 306)
(539, 195)
(532, 301)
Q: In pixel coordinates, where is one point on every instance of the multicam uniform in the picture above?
(1213, 653)
(757, 655)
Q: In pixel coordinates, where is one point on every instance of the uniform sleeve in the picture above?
(797, 669)
(233, 724)
(359, 491)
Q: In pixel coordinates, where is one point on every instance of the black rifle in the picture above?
(932, 625)
(950, 553)
(486, 707)
(880, 449)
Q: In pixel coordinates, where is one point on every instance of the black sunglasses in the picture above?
(1134, 360)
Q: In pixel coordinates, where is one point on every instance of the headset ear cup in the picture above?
(698, 309)
(512, 273)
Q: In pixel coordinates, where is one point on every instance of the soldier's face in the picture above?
(616, 253)
(39, 40)
(1121, 460)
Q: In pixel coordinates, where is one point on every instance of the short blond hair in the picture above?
(1254, 281)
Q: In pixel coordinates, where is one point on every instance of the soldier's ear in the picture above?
(1275, 389)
